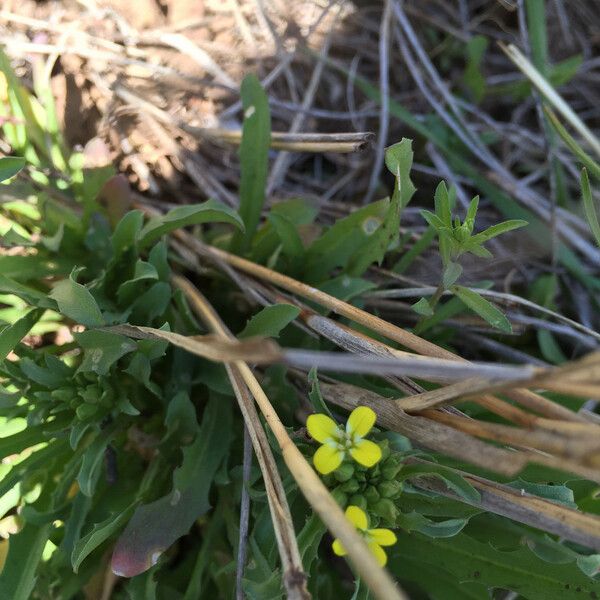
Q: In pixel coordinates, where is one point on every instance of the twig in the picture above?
(309, 483)
(244, 515)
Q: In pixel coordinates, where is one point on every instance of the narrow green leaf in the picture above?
(288, 235)
(415, 521)
(270, 320)
(451, 273)
(498, 229)
(315, 396)
(422, 307)
(127, 231)
(24, 555)
(453, 480)
(254, 157)
(443, 204)
(91, 465)
(398, 160)
(434, 220)
(486, 310)
(156, 526)
(587, 161)
(11, 335)
(76, 302)
(10, 166)
(190, 214)
(98, 535)
(588, 205)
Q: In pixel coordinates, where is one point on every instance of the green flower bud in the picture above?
(344, 472)
(339, 497)
(350, 487)
(360, 475)
(385, 449)
(86, 411)
(91, 394)
(390, 489)
(63, 394)
(385, 509)
(391, 468)
(358, 500)
(371, 495)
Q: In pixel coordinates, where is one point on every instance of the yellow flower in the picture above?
(337, 441)
(375, 538)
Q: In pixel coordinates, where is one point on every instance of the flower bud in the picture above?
(385, 449)
(390, 489)
(86, 411)
(349, 487)
(371, 495)
(339, 497)
(385, 509)
(358, 500)
(391, 467)
(344, 472)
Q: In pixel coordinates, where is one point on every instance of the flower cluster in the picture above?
(362, 471)
(375, 538)
(338, 442)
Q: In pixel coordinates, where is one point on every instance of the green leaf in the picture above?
(587, 161)
(486, 310)
(270, 320)
(468, 560)
(24, 555)
(98, 535)
(398, 160)
(415, 521)
(76, 302)
(438, 583)
(155, 526)
(190, 214)
(434, 221)
(254, 157)
(443, 204)
(11, 335)
(386, 234)
(181, 419)
(588, 205)
(498, 229)
(550, 348)
(288, 235)
(453, 480)
(315, 396)
(74, 524)
(127, 231)
(451, 273)
(17, 442)
(345, 239)
(91, 466)
(102, 349)
(10, 166)
(557, 493)
(422, 307)
(473, 77)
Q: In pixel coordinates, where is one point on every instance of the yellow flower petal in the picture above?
(321, 427)
(327, 459)
(383, 537)
(357, 517)
(360, 421)
(379, 553)
(338, 548)
(366, 453)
